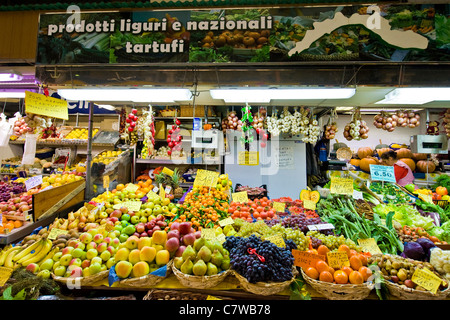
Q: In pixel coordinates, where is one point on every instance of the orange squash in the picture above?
(423, 164)
(404, 153)
(366, 162)
(207, 126)
(382, 150)
(410, 162)
(355, 162)
(305, 195)
(314, 196)
(365, 152)
(419, 156)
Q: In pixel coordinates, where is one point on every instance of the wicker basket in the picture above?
(81, 281)
(404, 293)
(333, 291)
(145, 281)
(265, 288)
(199, 282)
(157, 294)
(168, 112)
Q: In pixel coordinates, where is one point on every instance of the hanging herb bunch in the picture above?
(247, 120)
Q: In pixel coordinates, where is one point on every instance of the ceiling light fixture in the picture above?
(259, 95)
(415, 96)
(9, 77)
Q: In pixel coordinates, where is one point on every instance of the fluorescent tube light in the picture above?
(8, 77)
(415, 96)
(126, 94)
(258, 95)
(12, 94)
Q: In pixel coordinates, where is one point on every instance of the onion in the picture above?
(417, 123)
(388, 125)
(389, 119)
(362, 131)
(394, 123)
(384, 121)
(346, 134)
(404, 124)
(400, 120)
(412, 125)
(394, 117)
(391, 129)
(401, 114)
(411, 115)
(413, 120)
(364, 136)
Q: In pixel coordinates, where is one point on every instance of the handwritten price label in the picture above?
(425, 278)
(5, 274)
(341, 186)
(241, 197)
(226, 221)
(208, 233)
(130, 205)
(369, 245)
(167, 171)
(277, 239)
(338, 259)
(55, 232)
(305, 259)
(309, 204)
(131, 188)
(382, 173)
(106, 182)
(321, 226)
(33, 182)
(279, 206)
(220, 238)
(206, 178)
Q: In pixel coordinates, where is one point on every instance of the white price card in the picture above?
(33, 182)
(382, 173)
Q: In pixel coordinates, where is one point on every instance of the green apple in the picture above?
(59, 271)
(91, 253)
(171, 205)
(93, 231)
(105, 255)
(157, 210)
(95, 268)
(123, 237)
(57, 256)
(111, 261)
(143, 219)
(135, 219)
(96, 259)
(150, 205)
(118, 227)
(44, 274)
(125, 217)
(65, 259)
(47, 264)
(77, 252)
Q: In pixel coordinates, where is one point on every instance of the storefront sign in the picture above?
(387, 33)
(46, 106)
(382, 173)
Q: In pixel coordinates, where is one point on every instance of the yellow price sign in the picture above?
(248, 158)
(341, 186)
(106, 182)
(309, 204)
(206, 178)
(427, 279)
(46, 106)
(130, 205)
(208, 233)
(226, 221)
(55, 232)
(221, 238)
(131, 187)
(338, 259)
(240, 197)
(151, 194)
(5, 274)
(369, 245)
(277, 239)
(279, 206)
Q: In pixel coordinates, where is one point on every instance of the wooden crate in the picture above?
(188, 111)
(49, 202)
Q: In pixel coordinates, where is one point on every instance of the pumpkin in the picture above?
(355, 162)
(305, 195)
(422, 165)
(207, 126)
(339, 145)
(419, 156)
(365, 152)
(314, 196)
(404, 153)
(381, 146)
(409, 162)
(383, 150)
(366, 162)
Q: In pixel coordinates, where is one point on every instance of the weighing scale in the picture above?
(429, 144)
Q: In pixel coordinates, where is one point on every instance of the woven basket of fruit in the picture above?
(334, 291)
(405, 293)
(157, 294)
(75, 282)
(265, 288)
(145, 281)
(200, 282)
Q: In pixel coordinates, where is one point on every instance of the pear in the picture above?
(187, 266)
(188, 253)
(177, 262)
(211, 269)
(204, 253)
(198, 243)
(199, 268)
(231, 233)
(225, 263)
(216, 258)
(227, 229)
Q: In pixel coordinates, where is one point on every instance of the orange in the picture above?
(331, 270)
(322, 266)
(325, 276)
(355, 277)
(363, 259)
(346, 248)
(340, 277)
(17, 224)
(365, 272)
(347, 270)
(313, 251)
(120, 187)
(355, 262)
(9, 225)
(353, 252)
(2, 229)
(322, 250)
(312, 273)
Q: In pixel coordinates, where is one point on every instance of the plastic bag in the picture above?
(29, 150)
(5, 131)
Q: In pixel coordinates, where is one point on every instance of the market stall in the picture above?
(239, 187)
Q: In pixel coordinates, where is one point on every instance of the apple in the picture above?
(107, 240)
(77, 252)
(86, 237)
(180, 251)
(96, 259)
(76, 272)
(94, 268)
(75, 262)
(173, 234)
(59, 271)
(85, 263)
(123, 269)
(33, 267)
(79, 245)
(134, 219)
(115, 242)
(110, 263)
(98, 238)
(140, 227)
(47, 264)
(93, 231)
(91, 253)
(67, 250)
(91, 245)
(123, 237)
(102, 247)
(105, 255)
(185, 227)
(65, 259)
(57, 256)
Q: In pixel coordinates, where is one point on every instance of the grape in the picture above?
(333, 242)
(277, 266)
(315, 242)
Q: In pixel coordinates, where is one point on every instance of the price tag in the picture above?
(425, 278)
(33, 182)
(55, 232)
(167, 171)
(5, 274)
(221, 238)
(167, 189)
(369, 245)
(208, 233)
(305, 259)
(277, 239)
(357, 195)
(226, 221)
(206, 178)
(337, 259)
(309, 204)
(155, 189)
(241, 197)
(106, 182)
(248, 158)
(321, 226)
(279, 206)
(134, 206)
(151, 194)
(382, 173)
(341, 186)
(131, 188)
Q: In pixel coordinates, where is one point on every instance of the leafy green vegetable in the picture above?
(442, 26)
(431, 207)
(7, 295)
(405, 215)
(442, 232)
(443, 179)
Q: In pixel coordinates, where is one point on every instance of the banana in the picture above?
(38, 256)
(36, 250)
(49, 255)
(26, 251)
(4, 254)
(8, 262)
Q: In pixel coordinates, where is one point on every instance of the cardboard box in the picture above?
(160, 130)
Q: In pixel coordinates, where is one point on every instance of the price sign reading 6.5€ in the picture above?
(382, 173)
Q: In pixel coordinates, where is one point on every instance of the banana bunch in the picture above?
(17, 256)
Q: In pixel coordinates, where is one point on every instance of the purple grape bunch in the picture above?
(299, 221)
(9, 189)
